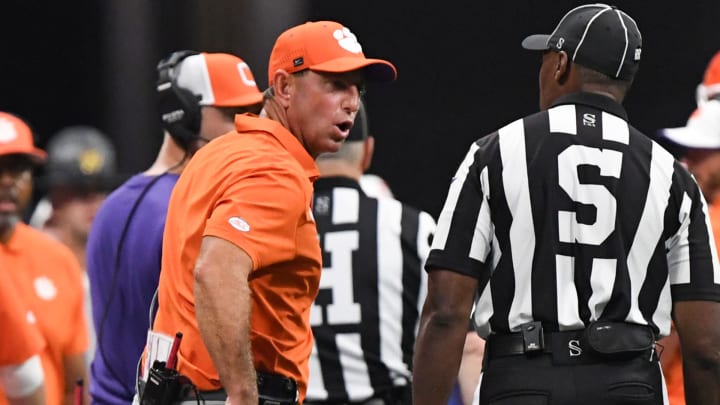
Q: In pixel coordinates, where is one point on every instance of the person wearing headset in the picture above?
(199, 96)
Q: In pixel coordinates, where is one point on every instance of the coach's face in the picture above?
(322, 108)
(15, 190)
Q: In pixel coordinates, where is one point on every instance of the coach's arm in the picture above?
(222, 307)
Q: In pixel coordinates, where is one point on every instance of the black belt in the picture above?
(599, 342)
(499, 345)
(272, 389)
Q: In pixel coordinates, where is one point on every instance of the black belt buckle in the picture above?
(532, 333)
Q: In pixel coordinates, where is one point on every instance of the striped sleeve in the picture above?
(693, 265)
(464, 233)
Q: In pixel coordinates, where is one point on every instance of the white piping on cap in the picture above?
(587, 28)
(566, 15)
(627, 43)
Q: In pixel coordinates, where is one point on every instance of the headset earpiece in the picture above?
(179, 109)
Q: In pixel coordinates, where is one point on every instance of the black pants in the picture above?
(535, 380)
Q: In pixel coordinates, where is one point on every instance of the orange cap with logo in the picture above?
(16, 138)
(325, 46)
(220, 79)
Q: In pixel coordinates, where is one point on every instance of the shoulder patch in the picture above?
(239, 224)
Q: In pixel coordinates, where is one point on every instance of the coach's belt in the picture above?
(273, 389)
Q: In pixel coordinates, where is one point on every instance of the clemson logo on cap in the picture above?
(347, 40)
(245, 74)
(7, 131)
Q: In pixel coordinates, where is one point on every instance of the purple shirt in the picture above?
(122, 324)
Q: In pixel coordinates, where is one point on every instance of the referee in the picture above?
(366, 314)
(582, 238)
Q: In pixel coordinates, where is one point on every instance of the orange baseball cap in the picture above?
(325, 46)
(16, 138)
(220, 79)
(710, 86)
(712, 72)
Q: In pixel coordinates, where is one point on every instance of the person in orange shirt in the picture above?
(44, 272)
(241, 259)
(699, 141)
(199, 94)
(21, 373)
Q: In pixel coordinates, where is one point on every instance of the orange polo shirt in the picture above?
(48, 280)
(21, 339)
(253, 188)
(24, 339)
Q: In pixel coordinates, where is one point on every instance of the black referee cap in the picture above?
(597, 36)
(359, 130)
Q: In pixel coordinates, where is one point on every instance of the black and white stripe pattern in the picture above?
(571, 215)
(365, 317)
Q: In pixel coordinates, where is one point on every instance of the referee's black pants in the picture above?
(536, 380)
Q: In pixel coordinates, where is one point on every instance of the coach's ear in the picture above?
(281, 85)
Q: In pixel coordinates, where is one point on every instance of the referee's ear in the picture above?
(368, 150)
(562, 67)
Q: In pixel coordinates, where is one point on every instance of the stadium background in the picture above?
(462, 72)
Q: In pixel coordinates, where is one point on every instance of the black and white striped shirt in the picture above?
(571, 215)
(366, 314)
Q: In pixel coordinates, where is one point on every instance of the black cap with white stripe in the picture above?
(597, 36)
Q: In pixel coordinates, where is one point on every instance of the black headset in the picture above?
(178, 107)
